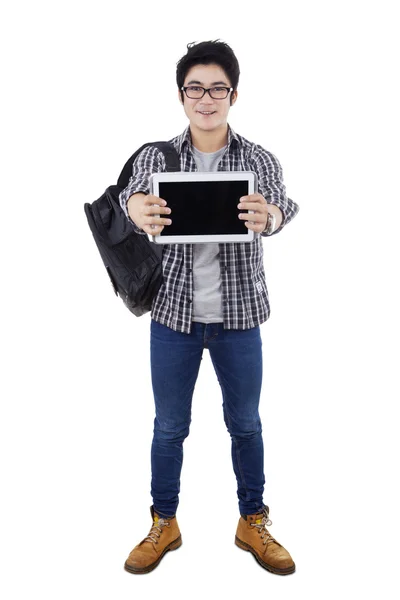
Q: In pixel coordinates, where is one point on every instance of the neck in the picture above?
(209, 141)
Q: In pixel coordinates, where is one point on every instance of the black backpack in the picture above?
(133, 263)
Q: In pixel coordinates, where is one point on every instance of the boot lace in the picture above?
(156, 530)
(262, 528)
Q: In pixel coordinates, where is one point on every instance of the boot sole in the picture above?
(172, 546)
(265, 565)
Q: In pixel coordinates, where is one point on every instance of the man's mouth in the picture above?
(206, 113)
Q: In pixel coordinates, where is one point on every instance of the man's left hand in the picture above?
(256, 221)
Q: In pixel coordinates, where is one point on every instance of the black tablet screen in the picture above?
(203, 207)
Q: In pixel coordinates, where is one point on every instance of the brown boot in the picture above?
(163, 536)
(253, 536)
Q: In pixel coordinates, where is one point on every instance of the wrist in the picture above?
(131, 202)
(274, 220)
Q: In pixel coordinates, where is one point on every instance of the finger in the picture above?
(153, 229)
(257, 227)
(157, 210)
(250, 217)
(155, 200)
(158, 221)
(250, 206)
(252, 198)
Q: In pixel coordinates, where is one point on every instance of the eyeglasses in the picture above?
(196, 92)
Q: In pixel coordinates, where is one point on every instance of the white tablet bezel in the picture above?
(156, 178)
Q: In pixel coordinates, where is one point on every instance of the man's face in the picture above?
(207, 76)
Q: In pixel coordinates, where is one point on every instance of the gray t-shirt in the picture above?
(207, 296)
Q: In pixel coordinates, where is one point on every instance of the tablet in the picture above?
(203, 205)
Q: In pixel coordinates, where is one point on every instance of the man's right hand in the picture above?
(141, 211)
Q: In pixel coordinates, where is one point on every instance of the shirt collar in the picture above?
(186, 138)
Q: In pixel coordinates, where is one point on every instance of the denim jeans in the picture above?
(175, 362)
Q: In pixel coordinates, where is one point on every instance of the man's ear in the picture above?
(180, 96)
(234, 97)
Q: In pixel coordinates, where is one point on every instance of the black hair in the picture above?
(207, 53)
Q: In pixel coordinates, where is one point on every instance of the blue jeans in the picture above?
(175, 363)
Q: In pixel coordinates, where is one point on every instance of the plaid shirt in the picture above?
(244, 291)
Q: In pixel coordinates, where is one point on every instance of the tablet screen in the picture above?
(204, 207)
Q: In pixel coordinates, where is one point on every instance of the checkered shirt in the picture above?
(244, 291)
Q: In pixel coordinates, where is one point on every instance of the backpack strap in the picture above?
(171, 160)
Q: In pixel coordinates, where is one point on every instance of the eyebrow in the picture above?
(213, 83)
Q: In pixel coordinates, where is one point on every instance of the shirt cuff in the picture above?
(124, 205)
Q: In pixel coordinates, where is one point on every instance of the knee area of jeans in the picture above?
(238, 434)
(169, 434)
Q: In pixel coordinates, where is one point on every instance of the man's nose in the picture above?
(207, 99)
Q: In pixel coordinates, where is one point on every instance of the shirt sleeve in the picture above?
(150, 160)
(271, 186)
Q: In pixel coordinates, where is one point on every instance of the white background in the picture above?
(84, 85)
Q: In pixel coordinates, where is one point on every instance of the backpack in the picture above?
(132, 261)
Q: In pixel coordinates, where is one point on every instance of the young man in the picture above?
(213, 296)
